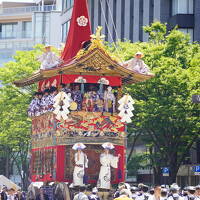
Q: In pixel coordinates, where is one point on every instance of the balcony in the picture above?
(26, 10)
(23, 44)
(15, 35)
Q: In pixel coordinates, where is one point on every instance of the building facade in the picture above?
(124, 19)
(22, 25)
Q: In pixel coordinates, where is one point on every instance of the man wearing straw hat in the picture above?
(137, 64)
(81, 162)
(48, 59)
(107, 161)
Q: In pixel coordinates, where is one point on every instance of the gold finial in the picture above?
(98, 35)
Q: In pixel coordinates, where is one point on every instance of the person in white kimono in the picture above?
(107, 161)
(109, 100)
(81, 162)
(137, 64)
(48, 59)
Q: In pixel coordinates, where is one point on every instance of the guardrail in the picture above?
(27, 9)
(21, 44)
(16, 35)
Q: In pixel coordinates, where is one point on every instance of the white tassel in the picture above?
(57, 110)
(64, 115)
(65, 99)
(58, 116)
(126, 108)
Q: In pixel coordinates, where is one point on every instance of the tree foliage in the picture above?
(164, 111)
(15, 126)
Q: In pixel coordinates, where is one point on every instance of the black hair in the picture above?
(163, 193)
(151, 191)
(52, 89)
(145, 188)
(191, 191)
(46, 91)
(62, 85)
(86, 44)
(82, 189)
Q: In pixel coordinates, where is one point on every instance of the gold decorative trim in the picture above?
(94, 61)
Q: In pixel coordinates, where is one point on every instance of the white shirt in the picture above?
(80, 196)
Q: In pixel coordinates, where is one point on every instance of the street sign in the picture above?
(165, 171)
(196, 98)
(197, 173)
(196, 169)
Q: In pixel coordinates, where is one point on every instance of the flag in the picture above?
(79, 31)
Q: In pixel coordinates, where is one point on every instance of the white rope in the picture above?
(113, 23)
(114, 26)
(103, 12)
(109, 32)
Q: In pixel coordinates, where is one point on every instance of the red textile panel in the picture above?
(64, 165)
(79, 30)
(120, 177)
(53, 81)
(39, 161)
(111, 80)
(93, 153)
(44, 164)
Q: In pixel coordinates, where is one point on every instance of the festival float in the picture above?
(80, 112)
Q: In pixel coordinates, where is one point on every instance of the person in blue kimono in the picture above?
(33, 105)
(96, 100)
(53, 93)
(45, 101)
(39, 109)
(92, 101)
(66, 88)
(94, 195)
(77, 97)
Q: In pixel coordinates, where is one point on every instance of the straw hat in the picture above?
(139, 53)
(95, 190)
(108, 145)
(47, 45)
(77, 146)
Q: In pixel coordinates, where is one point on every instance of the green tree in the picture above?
(15, 126)
(137, 161)
(163, 108)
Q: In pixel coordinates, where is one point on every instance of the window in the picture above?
(67, 4)
(8, 31)
(182, 7)
(189, 31)
(65, 29)
(26, 29)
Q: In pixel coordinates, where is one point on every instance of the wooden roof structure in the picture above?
(94, 61)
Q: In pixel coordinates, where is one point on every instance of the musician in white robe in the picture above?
(81, 162)
(48, 59)
(107, 161)
(109, 100)
(137, 64)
